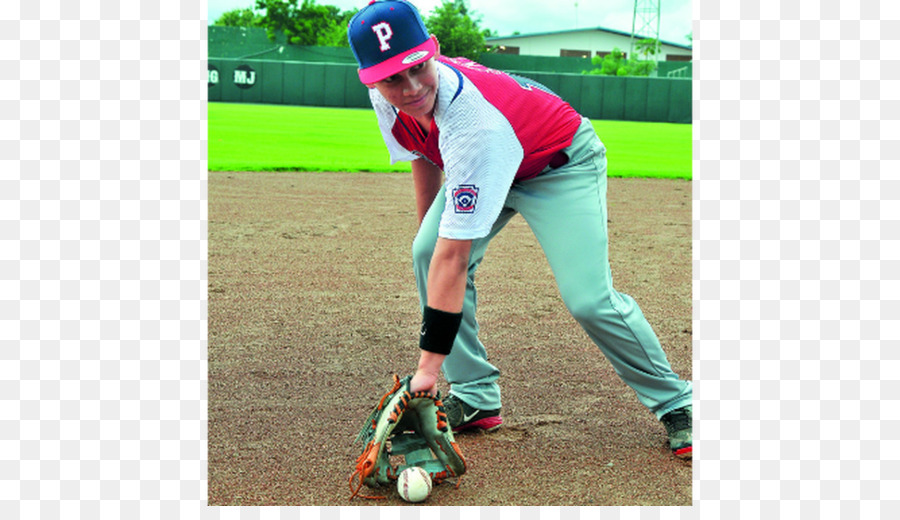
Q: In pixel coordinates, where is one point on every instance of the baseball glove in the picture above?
(413, 425)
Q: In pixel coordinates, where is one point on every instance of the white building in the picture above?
(582, 43)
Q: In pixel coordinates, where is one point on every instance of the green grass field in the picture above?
(248, 137)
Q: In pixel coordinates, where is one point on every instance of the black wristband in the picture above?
(439, 329)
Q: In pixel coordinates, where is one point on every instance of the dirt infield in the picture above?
(312, 308)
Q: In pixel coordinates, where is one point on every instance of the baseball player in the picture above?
(504, 145)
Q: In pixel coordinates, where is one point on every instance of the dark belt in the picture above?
(558, 160)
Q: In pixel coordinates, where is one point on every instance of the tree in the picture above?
(610, 64)
(640, 67)
(278, 15)
(615, 64)
(240, 18)
(648, 47)
(456, 29)
(306, 23)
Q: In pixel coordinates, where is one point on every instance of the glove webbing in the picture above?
(366, 460)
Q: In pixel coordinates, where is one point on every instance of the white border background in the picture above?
(103, 265)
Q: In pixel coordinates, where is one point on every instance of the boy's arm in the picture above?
(446, 292)
(446, 274)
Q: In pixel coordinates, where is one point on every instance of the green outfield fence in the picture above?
(337, 85)
(568, 64)
(246, 43)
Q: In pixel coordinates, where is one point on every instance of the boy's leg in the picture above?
(566, 209)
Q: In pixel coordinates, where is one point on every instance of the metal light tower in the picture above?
(645, 23)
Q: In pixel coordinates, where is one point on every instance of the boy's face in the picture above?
(413, 90)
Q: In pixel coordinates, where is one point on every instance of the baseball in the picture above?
(414, 484)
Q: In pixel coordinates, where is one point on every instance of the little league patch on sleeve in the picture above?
(464, 198)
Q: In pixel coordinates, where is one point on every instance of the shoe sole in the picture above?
(487, 424)
(685, 453)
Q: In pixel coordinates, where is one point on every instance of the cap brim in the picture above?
(399, 63)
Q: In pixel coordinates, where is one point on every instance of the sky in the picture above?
(532, 16)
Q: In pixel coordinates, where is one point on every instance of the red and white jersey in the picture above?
(488, 131)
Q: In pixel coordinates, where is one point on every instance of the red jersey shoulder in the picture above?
(542, 121)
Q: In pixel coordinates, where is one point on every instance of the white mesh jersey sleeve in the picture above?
(481, 155)
(386, 119)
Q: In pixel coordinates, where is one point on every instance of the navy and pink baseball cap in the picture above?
(388, 37)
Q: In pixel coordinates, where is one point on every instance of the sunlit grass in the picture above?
(250, 137)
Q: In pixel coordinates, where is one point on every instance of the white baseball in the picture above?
(414, 484)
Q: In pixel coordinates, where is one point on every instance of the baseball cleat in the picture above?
(461, 416)
(679, 425)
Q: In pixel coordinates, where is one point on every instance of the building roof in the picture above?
(588, 29)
